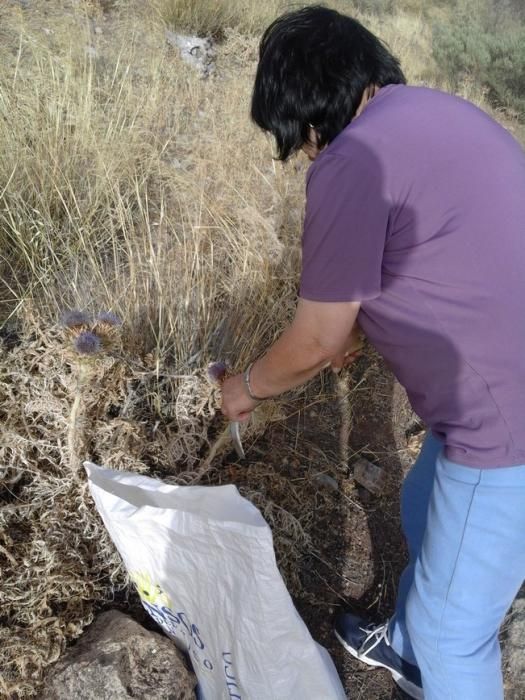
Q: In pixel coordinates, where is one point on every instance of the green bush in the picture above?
(505, 11)
(506, 71)
(468, 48)
(460, 49)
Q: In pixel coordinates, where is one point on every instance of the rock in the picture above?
(514, 643)
(118, 659)
(197, 51)
(327, 481)
(369, 475)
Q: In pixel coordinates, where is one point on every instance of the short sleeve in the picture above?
(345, 228)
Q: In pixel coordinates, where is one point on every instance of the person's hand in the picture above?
(236, 403)
(350, 351)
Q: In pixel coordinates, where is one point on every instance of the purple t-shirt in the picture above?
(417, 209)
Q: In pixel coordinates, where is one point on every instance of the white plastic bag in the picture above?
(203, 561)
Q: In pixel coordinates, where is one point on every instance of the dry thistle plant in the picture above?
(68, 393)
(90, 338)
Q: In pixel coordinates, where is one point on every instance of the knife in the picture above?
(235, 433)
(217, 372)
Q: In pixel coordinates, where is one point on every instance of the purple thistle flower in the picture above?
(217, 371)
(74, 318)
(109, 318)
(87, 343)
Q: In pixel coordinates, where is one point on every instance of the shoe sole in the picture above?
(409, 688)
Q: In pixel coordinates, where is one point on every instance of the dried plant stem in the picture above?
(343, 392)
(76, 424)
(215, 449)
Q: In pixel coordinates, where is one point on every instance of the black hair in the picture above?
(314, 65)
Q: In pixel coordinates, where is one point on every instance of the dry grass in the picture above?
(209, 17)
(128, 183)
(131, 184)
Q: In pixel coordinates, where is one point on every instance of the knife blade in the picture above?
(235, 433)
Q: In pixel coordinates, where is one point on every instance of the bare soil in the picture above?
(357, 534)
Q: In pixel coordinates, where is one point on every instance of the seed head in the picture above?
(109, 318)
(74, 319)
(87, 343)
(217, 371)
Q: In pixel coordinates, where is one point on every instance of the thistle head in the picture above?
(74, 319)
(108, 318)
(87, 343)
(108, 324)
(217, 372)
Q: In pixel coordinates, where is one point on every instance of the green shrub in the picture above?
(505, 11)
(506, 71)
(467, 47)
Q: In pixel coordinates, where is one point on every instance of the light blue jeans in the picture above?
(465, 530)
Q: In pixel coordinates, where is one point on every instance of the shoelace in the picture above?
(375, 635)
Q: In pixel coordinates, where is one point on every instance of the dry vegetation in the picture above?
(128, 183)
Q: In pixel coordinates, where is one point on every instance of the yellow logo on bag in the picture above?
(149, 591)
(177, 625)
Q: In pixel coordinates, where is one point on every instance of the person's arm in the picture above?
(318, 334)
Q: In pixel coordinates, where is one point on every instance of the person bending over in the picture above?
(415, 229)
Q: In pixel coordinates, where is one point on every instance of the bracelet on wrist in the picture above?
(248, 386)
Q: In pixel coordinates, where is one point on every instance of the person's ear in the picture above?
(368, 93)
(313, 136)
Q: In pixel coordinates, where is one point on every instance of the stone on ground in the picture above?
(514, 649)
(118, 659)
